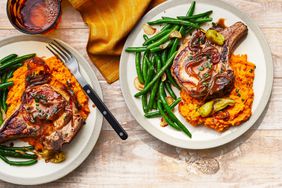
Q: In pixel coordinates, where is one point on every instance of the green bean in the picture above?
(157, 36)
(171, 79)
(191, 9)
(157, 112)
(135, 49)
(144, 103)
(164, 57)
(201, 15)
(175, 43)
(144, 97)
(170, 113)
(145, 67)
(155, 104)
(164, 93)
(156, 85)
(158, 75)
(23, 155)
(166, 26)
(145, 37)
(4, 94)
(163, 39)
(1, 117)
(166, 118)
(16, 60)
(4, 98)
(4, 77)
(203, 20)
(138, 67)
(169, 89)
(18, 163)
(154, 60)
(150, 75)
(15, 66)
(159, 62)
(174, 21)
(150, 61)
(8, 58)
(10, 74)
(23, 148)
(6, 85)
(156, 49)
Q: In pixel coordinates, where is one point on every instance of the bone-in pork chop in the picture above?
(47, 112)
(202, 67)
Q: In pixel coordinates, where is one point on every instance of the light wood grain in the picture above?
(143, 161)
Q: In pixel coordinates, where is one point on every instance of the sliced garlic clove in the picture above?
(138, 85)
(169, 100)
(175, 34)
(149, 30)
(164, 77)
(163, 123)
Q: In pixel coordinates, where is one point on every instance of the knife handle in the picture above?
(105, 111)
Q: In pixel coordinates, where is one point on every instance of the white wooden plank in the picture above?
(143, 161)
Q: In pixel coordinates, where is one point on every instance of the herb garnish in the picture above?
(205, 84)
(237, 91)
(208, 65)
(206, 75)
(201, 68)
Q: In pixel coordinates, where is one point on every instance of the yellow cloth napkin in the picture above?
(110, 21)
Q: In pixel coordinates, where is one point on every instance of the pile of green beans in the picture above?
(8, 65)
(153, 64)
(20, 153)
(184, 24)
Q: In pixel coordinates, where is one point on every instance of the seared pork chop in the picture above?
(48, 113)
(202, 68)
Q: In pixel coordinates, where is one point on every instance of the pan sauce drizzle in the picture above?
(200, 64)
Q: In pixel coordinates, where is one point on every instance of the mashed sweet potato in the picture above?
(242, 93)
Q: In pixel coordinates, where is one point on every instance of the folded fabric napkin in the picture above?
(110, 21)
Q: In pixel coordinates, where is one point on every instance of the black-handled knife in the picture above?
(105, 111)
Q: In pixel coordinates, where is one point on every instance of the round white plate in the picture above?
(84, 141)
(254, 45)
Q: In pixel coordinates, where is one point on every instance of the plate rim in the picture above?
(200, 144)
(98, 123)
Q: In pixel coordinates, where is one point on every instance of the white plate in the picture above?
(254, 45)
(84, 141)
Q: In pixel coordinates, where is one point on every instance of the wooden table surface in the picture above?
(254, 159)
